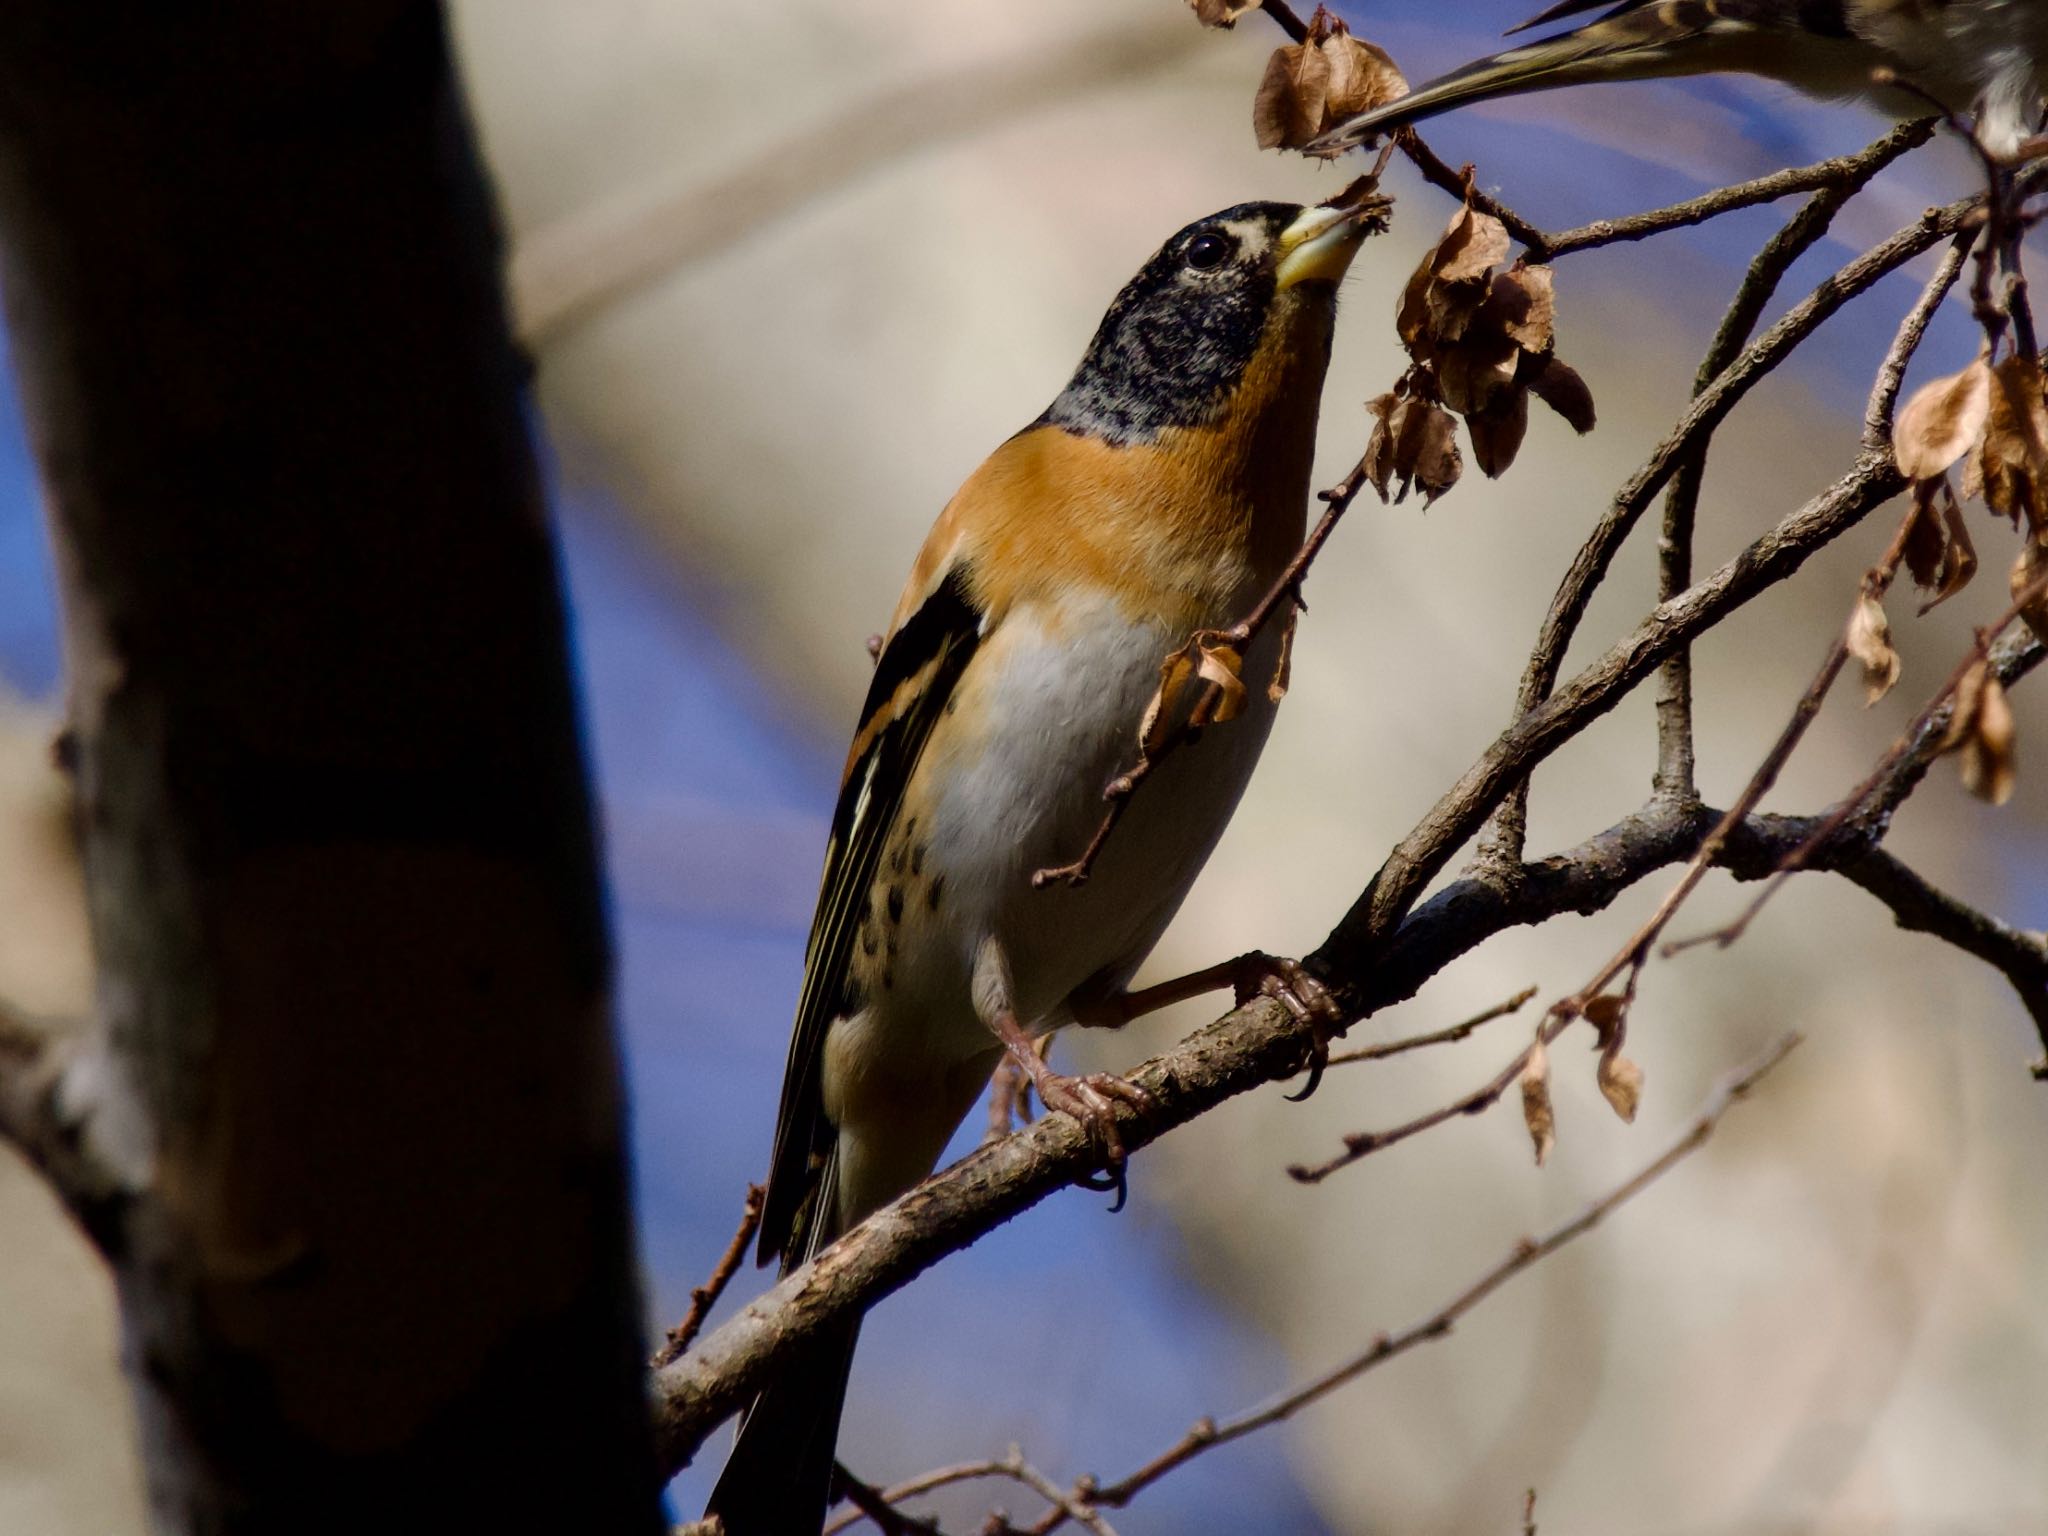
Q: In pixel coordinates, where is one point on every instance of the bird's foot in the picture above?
(1092, 1101)
(1289, 983)
(1009, 1093)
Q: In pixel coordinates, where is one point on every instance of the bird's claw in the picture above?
(1290, 983)
(1091, 1100)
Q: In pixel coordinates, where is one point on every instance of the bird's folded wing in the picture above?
(914, 678)
(1566, 8)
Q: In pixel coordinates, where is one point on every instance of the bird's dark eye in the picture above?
(1208, 252)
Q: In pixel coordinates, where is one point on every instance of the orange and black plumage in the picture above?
(1162, 491)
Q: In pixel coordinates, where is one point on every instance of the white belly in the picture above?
(1058, 714)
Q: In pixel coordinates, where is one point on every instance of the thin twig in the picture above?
(1285, 18)
(1753, 848)
(1450, 1036)
(1425, 160)
(1362, 1144)
(1844, 177)
(1377, 954)
(1858, 167)
(1917, 905)
(1691, 435)
(1931, 714)
(1589, 568)
(1262, 1041)
(36, 1054)
(705, 1296)
(1461, 185)
(878, 1504)
(1206, 1433)
(1283, 595)
(1891, 373)
(1632, 954)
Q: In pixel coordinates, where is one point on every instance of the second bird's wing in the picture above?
(1566, 8)
(914, 678)
(1639, 39)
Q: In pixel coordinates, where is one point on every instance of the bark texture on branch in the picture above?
(1262, 1042)
(354, 1059)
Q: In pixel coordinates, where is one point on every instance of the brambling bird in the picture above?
(1161, 493)
(1986, 56)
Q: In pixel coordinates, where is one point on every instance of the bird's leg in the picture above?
(1091, 1099)
(1252, 974)
(1009, 1098)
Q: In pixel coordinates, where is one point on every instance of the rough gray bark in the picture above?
(356, 1076)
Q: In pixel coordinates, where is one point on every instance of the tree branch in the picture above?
(1856, 168)
(1920, 907)
(1385, 948)
(35, 1055)
(1848, 176)
(1688, 438)
(1258, 1043)
(1087, 1497)
(704, 1297)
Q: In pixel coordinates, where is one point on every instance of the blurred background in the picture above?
(787, 280)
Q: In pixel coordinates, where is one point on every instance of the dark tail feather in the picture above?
(778, 1481)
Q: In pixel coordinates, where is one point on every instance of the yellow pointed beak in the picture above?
(1318, 246)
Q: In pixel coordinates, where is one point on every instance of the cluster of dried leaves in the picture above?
(1481, 342)
(1620, 1079)
(1311, 86)
(1992, 418)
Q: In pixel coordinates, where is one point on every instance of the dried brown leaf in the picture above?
(1523, 303)
(1537, 1114)
(1221, 13)
(1471, 247)
(1451, 283)
(1987, 761)
(1431, 437)
(1287, 111)
(1415, 443)
(1621, 1084)
(1870, 641)
(1477, 372)
(1942, 422)
(1379, 448)
(1497, 433)
(1961, 562)
(1939, 553)
(1362, 76)
(1559, 386)
(1224, 667)
(1962, 721)
(2010, 467)
(1175, 673)
(1926, 540)
(1411, 315)
(1283, 669)
(1604, 1012)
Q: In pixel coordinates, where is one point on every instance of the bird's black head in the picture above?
(1179, 337)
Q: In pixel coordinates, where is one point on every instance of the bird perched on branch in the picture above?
(1986, 56)
(1162, 493)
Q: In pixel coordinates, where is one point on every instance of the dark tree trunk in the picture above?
(376, 1264)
